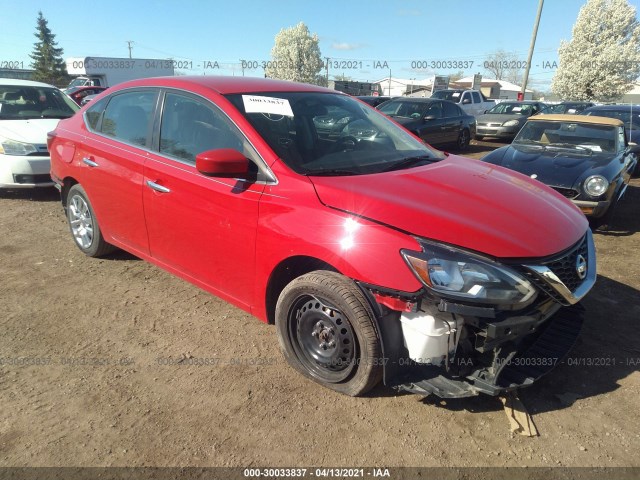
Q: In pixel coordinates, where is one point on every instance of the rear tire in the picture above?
(83, 224)
(326, 331)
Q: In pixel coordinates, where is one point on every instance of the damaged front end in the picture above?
(481, 326)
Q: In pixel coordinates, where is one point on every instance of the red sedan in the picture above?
(374, 254)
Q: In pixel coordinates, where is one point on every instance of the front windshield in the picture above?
(511, 108)
(24, 102)
(583, 137)
(331, 134)
(452, 95)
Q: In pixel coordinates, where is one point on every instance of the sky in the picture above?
(366, 40)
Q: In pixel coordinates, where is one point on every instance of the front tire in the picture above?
(326, 331)
(464, 137)
(83, 224)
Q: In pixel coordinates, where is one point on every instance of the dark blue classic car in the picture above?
(584, 158)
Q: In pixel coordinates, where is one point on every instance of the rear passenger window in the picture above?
(128, 115)
(476, 97)
(190, 126)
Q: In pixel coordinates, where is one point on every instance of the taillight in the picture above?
(50, 137)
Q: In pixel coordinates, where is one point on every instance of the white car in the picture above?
(28, 111)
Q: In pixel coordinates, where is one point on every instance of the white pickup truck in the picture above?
(471, 101)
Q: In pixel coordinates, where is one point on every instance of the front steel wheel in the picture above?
(326, 331)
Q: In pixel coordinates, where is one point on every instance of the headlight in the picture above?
(510, 123)
(12, 147)
(466, 277)
(596, 185)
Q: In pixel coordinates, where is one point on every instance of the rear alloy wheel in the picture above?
(463, 139)
(84, 225)
(326, 331)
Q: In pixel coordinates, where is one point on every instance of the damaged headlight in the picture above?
(463, 276)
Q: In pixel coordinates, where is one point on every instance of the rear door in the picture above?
(111, 160)
(203, 228)
(452, 121)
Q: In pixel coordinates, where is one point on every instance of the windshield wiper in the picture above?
(410, 162)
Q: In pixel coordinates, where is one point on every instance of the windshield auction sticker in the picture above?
(257, 104)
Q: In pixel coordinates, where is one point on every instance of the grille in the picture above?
(565, 266)
(569, 193)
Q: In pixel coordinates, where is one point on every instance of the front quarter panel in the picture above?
(293, 222)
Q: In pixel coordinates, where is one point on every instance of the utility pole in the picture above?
(326, 66)
(129, 42)
(531, 47)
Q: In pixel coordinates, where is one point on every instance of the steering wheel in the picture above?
(346, 143)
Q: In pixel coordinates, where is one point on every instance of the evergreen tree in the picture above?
(47, 58)
(602, 60)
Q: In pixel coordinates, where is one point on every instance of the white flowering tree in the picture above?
(602, 60)
(296, 56)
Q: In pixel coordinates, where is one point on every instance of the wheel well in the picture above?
(284, 273)
(67, 183)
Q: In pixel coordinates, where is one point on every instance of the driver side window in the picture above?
(435, 110)
(190, 126)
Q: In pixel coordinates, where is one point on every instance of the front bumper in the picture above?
(24, 171)
(507, 372)
(496, 132)
(473, 349)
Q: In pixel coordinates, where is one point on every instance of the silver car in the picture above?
(505, 120)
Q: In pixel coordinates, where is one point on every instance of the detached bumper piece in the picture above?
(510, 369)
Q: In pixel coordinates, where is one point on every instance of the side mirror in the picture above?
(466, 101)
(225, 162)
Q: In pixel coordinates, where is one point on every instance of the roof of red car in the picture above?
(226, 85)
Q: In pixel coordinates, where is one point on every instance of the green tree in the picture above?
(47, 58)
(296, 56)
(602, 60)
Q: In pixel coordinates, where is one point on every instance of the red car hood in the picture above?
(462, 202)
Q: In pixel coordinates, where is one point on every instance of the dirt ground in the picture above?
(102, 365)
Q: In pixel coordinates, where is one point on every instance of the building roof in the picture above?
(490, 82)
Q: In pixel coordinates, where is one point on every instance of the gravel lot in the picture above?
(102, 366)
